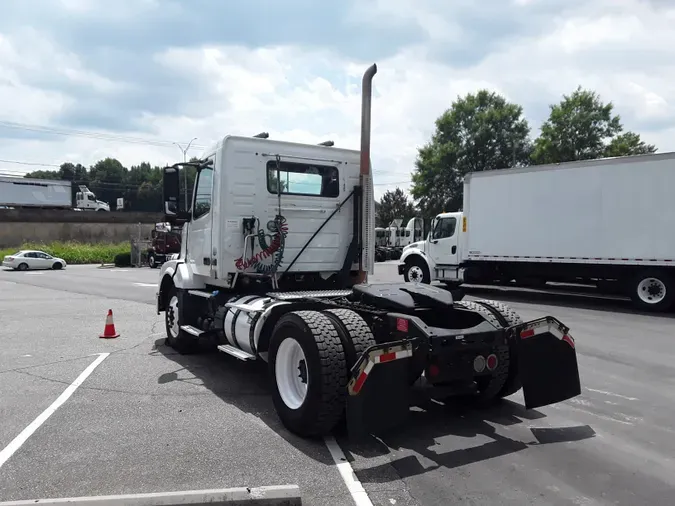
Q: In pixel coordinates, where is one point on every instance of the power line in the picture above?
(88, 134)
(36, 164)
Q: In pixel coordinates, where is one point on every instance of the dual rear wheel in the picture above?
(310, 356)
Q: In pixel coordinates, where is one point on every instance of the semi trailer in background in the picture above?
(19, 192)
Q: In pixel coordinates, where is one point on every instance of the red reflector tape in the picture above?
(526, 333)
(569, 340)
(359, 382)
(401, 324)
(388, 357)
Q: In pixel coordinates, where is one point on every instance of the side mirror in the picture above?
(171, 193)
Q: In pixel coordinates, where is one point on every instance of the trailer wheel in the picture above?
(176, 338)
(308, 370)
(416, 271)
(510, 317)
(653, 290)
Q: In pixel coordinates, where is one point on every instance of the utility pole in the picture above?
(184, 151)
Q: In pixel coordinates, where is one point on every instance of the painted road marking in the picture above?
(354, 486)
(19, 440)
(146, 284)
(612, 394)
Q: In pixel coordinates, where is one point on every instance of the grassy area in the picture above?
(75, 252)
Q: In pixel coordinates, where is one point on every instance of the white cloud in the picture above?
(621, 48)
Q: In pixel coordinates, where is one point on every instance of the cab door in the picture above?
(199, 255)
(443, 247)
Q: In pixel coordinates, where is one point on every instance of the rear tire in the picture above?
(652, 290)
(311, 402)
(513, 383)
(490, 387)
(22, 267)
(176, 338)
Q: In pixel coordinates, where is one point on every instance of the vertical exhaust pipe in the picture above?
(366, 102)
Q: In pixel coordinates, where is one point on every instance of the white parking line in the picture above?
(612, 394)
(354, 486)
(146, 284)
(19, 440)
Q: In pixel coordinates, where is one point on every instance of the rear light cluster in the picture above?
(480, 363)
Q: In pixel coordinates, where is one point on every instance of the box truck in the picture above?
(19, 192)
(592, 221)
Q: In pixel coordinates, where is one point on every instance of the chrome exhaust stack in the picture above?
(365, 176)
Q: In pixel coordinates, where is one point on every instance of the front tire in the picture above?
(57, 266)
(176, 338)
(416, 271)
(308, 371)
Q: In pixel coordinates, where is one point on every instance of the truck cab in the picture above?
(439, 256)
(165, 242)
(245, 230)
(86, 199)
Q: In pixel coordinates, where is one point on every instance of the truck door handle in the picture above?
(454, 250)
(434, 242)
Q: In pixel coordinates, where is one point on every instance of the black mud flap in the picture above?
(547, 362)
(378, 395)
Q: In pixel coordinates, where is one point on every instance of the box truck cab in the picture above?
(438, 257)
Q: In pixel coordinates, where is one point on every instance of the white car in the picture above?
(33, 259)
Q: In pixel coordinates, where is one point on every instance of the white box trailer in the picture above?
(24, 192)
(19, 192)
(592, 221)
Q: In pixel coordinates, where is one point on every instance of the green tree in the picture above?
(628, 144)
(583, 127)
(481, 131)
(394, 204)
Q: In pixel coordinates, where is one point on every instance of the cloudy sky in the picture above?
(84, 79)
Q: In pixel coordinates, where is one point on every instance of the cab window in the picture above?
(445, 227)
(303, 179)
(203, 192)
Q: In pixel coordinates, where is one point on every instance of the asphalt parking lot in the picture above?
(145, 419)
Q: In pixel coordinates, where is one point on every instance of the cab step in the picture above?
(236, 352)
(201, 293)
(193, 331)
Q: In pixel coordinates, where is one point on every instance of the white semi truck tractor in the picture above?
(277, 247)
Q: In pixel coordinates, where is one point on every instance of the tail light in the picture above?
(9, 259)
(492, 362)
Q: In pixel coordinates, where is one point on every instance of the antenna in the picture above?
(262, 135)
(330, 144)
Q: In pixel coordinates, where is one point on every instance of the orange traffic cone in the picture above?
(109, 332)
